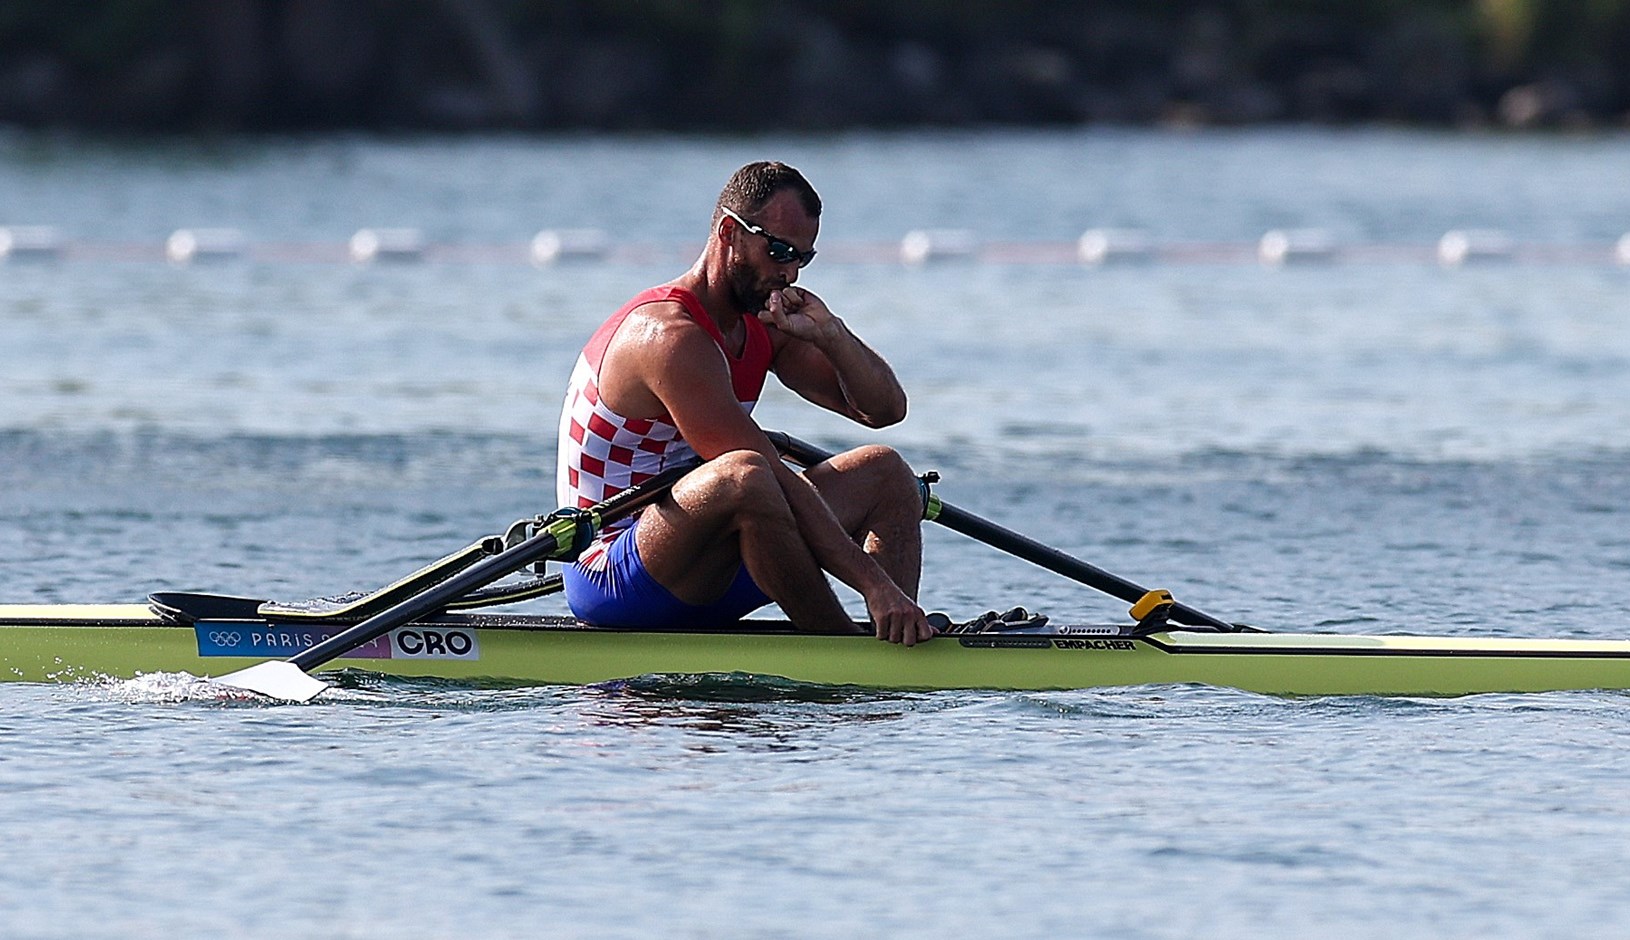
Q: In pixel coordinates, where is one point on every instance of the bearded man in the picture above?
(673, 376)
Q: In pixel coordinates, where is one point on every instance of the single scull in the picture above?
(53, 643)
(420, 626)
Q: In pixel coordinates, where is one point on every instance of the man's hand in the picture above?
(896, 617)
(799, 313)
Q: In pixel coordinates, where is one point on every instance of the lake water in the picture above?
(1370, 445)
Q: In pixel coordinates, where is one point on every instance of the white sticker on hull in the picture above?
(428, 642)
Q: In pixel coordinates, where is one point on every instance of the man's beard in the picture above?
(749, 295)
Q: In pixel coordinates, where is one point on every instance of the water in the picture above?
(1366, 447)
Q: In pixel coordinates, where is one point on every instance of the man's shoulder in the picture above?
(661, 322)
(657, 337)
(659, 310)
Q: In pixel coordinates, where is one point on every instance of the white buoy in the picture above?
(1288, 246)
(552, 245)
(29, 241)
(1623, 251)
(1108, 245)
(387, 244)
(923, 245)
(186, 245)
(1463, 246)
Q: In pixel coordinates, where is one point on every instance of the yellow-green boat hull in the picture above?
(57, 643)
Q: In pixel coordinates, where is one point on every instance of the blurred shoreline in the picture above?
(752, 65)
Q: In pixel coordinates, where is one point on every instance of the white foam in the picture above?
(173, 687)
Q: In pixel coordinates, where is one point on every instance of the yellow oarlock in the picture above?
(1152, 608)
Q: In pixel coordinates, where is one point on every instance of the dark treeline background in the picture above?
(749, 64)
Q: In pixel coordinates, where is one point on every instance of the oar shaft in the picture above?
(1022, 546)
(537, 548)
(1069, 566)
(478, 575)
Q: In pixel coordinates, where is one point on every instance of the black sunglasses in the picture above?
(780, 250)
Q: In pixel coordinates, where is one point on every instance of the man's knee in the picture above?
(882, 468)
(745, 481)
(860, 483)
(881, 459)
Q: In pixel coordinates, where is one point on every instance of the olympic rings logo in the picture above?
(224, 639)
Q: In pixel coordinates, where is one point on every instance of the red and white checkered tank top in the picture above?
(602, 452)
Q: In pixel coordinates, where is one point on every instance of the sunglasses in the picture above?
(780, 250)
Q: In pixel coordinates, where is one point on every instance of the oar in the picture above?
(1022, 546)
(287, 679)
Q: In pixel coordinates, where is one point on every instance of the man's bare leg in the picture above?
(876, 497)
(728, 513)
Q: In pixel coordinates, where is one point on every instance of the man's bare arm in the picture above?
(821, 360)
(687, 375)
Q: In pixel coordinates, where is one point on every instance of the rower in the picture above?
(674, 374)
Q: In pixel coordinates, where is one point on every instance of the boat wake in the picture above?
(171, 688)
(166, 688)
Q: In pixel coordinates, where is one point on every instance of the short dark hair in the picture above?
(752, 187)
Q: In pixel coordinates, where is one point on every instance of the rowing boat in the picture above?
(420, 625)
(55, 643)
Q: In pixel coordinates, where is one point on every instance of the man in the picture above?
(676, 371)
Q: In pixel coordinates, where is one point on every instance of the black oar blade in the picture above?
(277, 679)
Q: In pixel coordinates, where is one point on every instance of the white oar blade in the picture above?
(275, 679)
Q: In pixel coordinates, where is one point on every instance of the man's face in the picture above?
(752, 273)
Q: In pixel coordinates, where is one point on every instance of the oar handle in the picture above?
(1022, 546)
(541, 546)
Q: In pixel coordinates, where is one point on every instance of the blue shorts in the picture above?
(623, 594)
